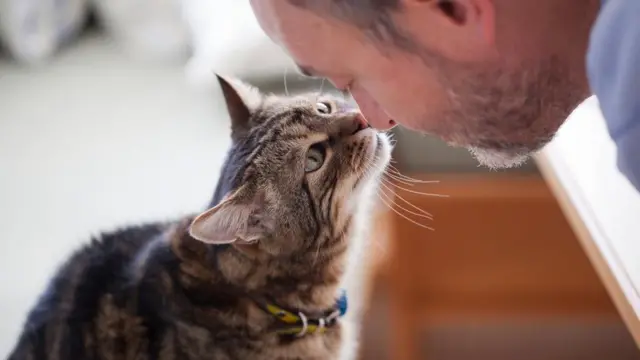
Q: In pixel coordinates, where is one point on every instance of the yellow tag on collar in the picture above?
(284, 315)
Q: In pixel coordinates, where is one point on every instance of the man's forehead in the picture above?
(275, 16)
(265, 13)
(285, 23)
(320, 47)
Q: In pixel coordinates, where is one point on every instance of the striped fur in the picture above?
(155, 292)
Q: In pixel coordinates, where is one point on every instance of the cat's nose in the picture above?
(353, 123)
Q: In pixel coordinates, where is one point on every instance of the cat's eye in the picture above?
(315, 157)
(323, 107)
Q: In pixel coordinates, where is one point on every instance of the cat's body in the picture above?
(197, 288)
(150, 293)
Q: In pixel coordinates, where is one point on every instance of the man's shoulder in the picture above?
(613, 65)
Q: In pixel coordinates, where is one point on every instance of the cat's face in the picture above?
(297, 171)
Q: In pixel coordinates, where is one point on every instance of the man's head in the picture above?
(495, 76)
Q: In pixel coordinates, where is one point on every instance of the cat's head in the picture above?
(298, 169)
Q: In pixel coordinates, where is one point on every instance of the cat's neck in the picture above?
(300, 282)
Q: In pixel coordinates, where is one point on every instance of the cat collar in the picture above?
(299, 324)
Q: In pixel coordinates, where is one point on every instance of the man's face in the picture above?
(466, 76)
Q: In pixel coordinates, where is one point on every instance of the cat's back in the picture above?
(101, 268)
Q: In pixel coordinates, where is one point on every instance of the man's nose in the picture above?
(372, 111)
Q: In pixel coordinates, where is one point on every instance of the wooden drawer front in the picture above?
(501, 245)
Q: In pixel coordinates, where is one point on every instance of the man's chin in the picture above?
(498, 159)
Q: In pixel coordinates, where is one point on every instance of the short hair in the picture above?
(374, 17)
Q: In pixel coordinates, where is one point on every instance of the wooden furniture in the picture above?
(600, 204)
(501, 247)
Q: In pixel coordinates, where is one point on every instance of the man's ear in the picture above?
(242, 100)
(237, 219)
(469, 27)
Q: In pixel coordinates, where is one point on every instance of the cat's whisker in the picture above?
(426, 214)
(414, 191)
(396, 170)
(387, 200)
(422, 215)
(393, 177)
(391, 170)
(286, 88)
(402, 215)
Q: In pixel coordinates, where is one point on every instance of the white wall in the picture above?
(89, 143)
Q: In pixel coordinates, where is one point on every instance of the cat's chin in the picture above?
(376, 161)
(379, 154)
(383, 151)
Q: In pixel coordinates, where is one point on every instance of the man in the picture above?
(498, 77)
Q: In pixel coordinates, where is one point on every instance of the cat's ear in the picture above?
(237, 219)
(242, 100)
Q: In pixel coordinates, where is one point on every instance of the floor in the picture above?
(556, 339)
(92, 142)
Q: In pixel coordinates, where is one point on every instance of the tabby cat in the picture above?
(256, 276)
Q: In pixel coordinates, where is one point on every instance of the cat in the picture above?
(257, 275)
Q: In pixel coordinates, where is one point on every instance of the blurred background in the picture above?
(109, 116)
